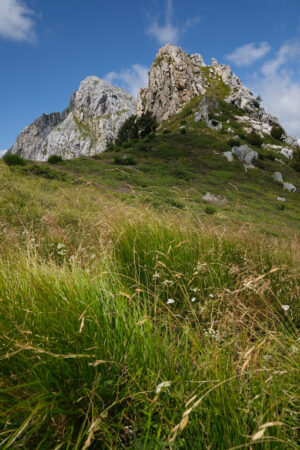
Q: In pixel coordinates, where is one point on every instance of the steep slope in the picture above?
(176, 78)
(94, 115)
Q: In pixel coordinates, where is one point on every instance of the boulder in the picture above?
(245, 154)
(278, 177)
(214, 125)
(228, 156)
(289, 187)
(214, 199)
(287, 152)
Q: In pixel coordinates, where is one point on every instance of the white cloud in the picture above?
(280, 89)
(2, 153)
(248, 54)
(284, 54)
(130, 79)
(167, 33)
(16, 21)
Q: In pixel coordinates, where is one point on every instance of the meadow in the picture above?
(127, 321)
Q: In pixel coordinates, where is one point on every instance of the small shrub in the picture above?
(166, 132)
(281, 207)
(13, 160)
(209, 210)
(296, 163)
(254, 139)
(277, 132)
(182, 131)
(54, 159)
(124, 160)
(270, 156)
(183, 122)
(233, 142)
(45, 172)
(242, 136)
(127, 144)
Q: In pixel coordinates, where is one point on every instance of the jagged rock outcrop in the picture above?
(176, 77)
(94, 115)
(287, 186)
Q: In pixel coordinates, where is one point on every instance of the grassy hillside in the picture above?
(135, 315)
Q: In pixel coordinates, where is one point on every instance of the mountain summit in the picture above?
(94, 115)
(97, 110)
(176, 78)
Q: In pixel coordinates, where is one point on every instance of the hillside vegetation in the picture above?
(135, 314)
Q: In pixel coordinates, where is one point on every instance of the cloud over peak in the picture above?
(248, 54)
(132, 79)
(16, 21)
(166, 33)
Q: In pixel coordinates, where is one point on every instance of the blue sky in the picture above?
(48, 47)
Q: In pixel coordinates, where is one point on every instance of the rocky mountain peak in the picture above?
(175, 78)
(95, 114)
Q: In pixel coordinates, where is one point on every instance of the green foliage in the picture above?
(232, 142)
(277, 132)
(54, 159)
(296, 162)
(254, 139)
(182, 131)
(124, 160)
(209, 210)
(128, 130)
(13, 160)
(45, 172)
(136, 128)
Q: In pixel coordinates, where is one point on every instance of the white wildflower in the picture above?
(211, 295)
(164, 384)
(285, 307)
(156, 276)
(170, 301)
(193, 299)
(167, 282)
(195, 290)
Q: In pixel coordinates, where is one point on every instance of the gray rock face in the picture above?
(245, 154)
(94, 115)
(286, 186)
(278, 177)
(215, 199)
(175, 78)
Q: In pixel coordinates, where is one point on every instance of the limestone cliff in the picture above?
(176, 77)
(94, 115)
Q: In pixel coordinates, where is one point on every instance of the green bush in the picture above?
(277, 132)
(281, 207)
(124, 160)
(209, 210)
(296, 163)
(45, 172)
(182, 130)
(54, 159)
(136, 127)
(254, 139)
(233, 142)
(13, 160)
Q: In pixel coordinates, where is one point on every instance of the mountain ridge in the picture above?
(97, 109)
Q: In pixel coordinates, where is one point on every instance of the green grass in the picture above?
(115, 278)
(83, 351)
